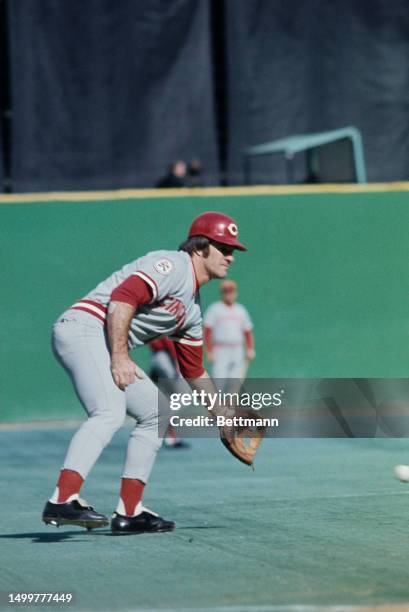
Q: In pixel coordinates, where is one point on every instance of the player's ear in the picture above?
(203, 252)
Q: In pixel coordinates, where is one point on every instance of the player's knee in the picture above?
(149, 420)
(115, 422)
(149, 426)
(148, 437)
(109, 422)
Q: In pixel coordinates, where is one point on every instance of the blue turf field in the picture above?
(319, 522)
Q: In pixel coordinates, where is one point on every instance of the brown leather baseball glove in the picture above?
(242, 442)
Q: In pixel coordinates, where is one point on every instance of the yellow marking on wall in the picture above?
(135, 194)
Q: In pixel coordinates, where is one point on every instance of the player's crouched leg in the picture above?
(80, 346)
(143, 445)
(94, 435)
(144, 442)
(131, 515)
(66, 507)
(142, 403)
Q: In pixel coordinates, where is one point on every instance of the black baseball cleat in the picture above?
(145, 522)
(75, 512)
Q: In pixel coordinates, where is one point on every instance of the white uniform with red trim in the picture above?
(228, 324)
(80, 343)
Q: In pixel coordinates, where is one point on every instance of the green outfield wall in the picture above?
(325, 279)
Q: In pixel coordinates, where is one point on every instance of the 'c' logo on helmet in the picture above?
(232, 228)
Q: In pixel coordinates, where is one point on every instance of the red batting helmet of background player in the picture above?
(217, 227)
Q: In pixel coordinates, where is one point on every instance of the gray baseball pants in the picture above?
(80, 344)
(229, 361)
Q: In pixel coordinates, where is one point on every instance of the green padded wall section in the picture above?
(325, 280)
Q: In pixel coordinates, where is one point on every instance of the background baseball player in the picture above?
(228, 337)
(153, 296)
(165, 372)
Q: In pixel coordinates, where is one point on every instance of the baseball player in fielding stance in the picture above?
(156, 295)
(228, 337)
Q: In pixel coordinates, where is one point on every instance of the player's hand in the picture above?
(124, 371)
(250, 354)
(210, 357)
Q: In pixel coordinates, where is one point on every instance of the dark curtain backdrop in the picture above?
(1, 159)
(107, 94)
(317, 65)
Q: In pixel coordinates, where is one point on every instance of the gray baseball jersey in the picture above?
(174, 310)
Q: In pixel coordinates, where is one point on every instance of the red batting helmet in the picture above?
(217, 227)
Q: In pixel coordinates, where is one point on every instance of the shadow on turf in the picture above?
(60, 536)
(44, 538)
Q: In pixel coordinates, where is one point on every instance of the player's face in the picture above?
(219, 259)
(229, 296)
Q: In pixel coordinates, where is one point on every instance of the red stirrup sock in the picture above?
(130, 496)
(69, 484)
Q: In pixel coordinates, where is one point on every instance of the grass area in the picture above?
(318, 523)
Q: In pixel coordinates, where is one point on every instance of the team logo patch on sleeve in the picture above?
(163, 266)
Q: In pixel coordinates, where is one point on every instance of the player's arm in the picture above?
(123, 368)
(248, 335)
(125, 299)
(190, 359)
(208, 324)
(208, 338)
(230, 434)
(205, 383)
(249, 343)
